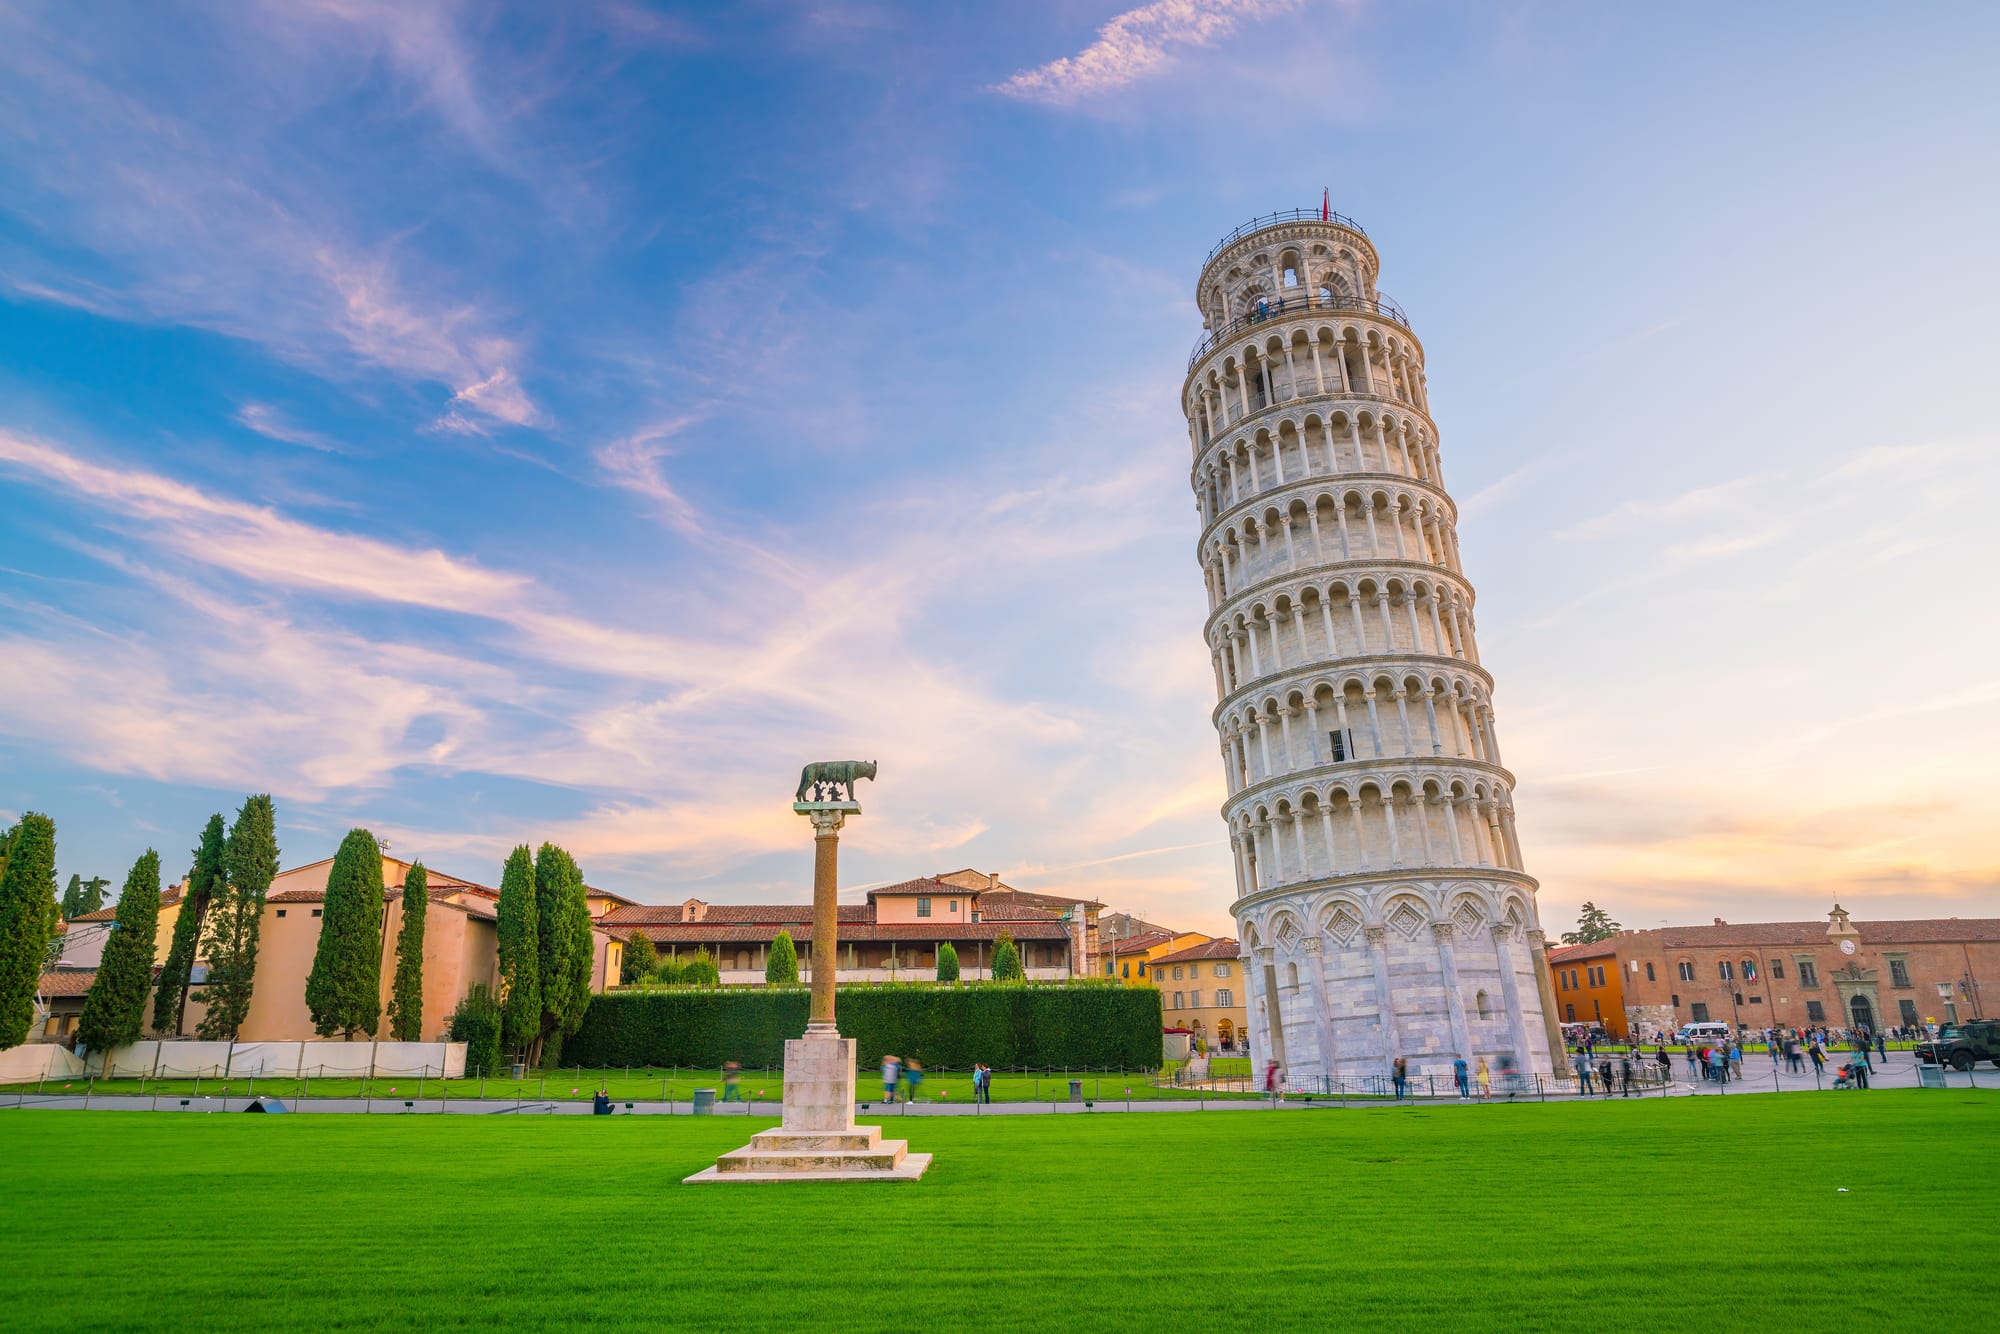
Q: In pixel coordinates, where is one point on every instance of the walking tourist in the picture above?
(1818, 1054)
(1882, 1046)
(1458, 1077)
(1399, 1071)
(1696, 1063)
(1485, 1077)
(732, 1088)
(1273, 1084)
(892, 1075)
(1735, 1059)
(913, 1075)
(1582, 1064)
(1625, 1075)
(980, 1075)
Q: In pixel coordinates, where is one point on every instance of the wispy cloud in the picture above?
(1714, 498)
(1135, 45)
(267, 421)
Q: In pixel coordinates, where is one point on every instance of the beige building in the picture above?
(1201, 991)
(461, 947)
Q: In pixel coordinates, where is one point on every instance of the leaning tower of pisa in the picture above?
(1381, 899)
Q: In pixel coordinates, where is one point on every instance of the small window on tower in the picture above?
(1341, 749)
(1649, 973)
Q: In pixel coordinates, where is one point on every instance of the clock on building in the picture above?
(1847, 947)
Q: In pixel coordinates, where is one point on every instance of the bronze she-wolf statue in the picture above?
(824, 776)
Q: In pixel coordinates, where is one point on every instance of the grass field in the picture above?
(1686, 1214)
(639, 1085)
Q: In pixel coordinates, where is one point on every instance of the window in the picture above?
(1677, 1000)
(1180, 1000)
(1342, 742)
(1597, 976)
(1126, 970)
(1649, 974)
(1700, 1012)
(1808, 975)
(1195, 996)
(952, 906)
(1569, 1013)
(281, 912)
(1687, 971)
(1222, 970)
(1749, 970)
(1483, 1013)
(316, 912)
(1723, 969)
(1909, 1008)
(1756, 1000)
(1777, 970)
(1899, 972)
(1177, 972)
(1110, 968)
(1225, 997)
(1194, 970)
(1739, 998)
(1815, 1012)
(923, 907)
(1142, 967)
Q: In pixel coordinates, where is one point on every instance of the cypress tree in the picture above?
(406, 999)
(72, 899)
(1006, 960)
(114, 1013)
(947, 962)
(641, 959)
(344, 989)
(204, 882)
(28, 917)
(781, 967)
(93, 895)
(520, 952)
(236, 918)
(563, 941)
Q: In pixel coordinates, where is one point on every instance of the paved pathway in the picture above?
(1898, 1071)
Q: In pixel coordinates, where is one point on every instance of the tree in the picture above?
(477, 1022)
(236, 918)
(406, 997)
(72, 899)
(93, 894)
(670, 971)
(947, 962)
(114, 1012)
(562, 926)
(641, 959)
(781, 966)
(28, 917)
(344, 989)
(1006, 960)
(520, 953)
(204, 881)
(1593, 925)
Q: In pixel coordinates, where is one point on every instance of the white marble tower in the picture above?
(1381, 899)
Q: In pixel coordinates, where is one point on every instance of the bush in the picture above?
(1006, 960)
(781, 969)
(700, 971)
(1078, 1024)
(640, 959)
(476, 1023)
(670, 971)
(947, 962)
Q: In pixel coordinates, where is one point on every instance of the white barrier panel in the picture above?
(254, 1060)
(38, 1060)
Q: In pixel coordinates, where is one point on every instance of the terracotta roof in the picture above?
(1915, 931)
(928, 885)
(168, 898)
(1135, 944)
(642, 914)
(67, 982)
(1024, 899)
(1597, 949)
(608, 894)
(753, 933)
(1208, 949)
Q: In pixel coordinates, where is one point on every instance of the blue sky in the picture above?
(492, 424)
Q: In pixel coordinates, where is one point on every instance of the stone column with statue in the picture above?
(816, 1139)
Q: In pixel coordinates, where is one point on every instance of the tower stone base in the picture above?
(817, 1139)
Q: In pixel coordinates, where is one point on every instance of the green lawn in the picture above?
(1695, 1213)
(630, 1086)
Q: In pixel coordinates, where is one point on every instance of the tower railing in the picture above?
(1286, 307)
(1272, 219)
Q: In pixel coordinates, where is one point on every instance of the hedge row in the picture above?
(1032, 1024)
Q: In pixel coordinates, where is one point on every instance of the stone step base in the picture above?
(909, 1167)
(808, 1141)
(882, 1157)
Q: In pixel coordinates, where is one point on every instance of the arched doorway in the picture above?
(1864, 1014)
(1225, 1033)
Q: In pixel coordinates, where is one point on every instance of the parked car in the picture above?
(1962, 1046)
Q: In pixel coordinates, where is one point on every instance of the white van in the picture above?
(1710, 1032)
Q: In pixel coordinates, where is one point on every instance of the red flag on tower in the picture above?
(1326, 204)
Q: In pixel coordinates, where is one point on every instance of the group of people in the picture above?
(1605, 1075)
(899, 1075)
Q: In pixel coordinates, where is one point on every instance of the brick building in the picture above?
(1840, 973)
